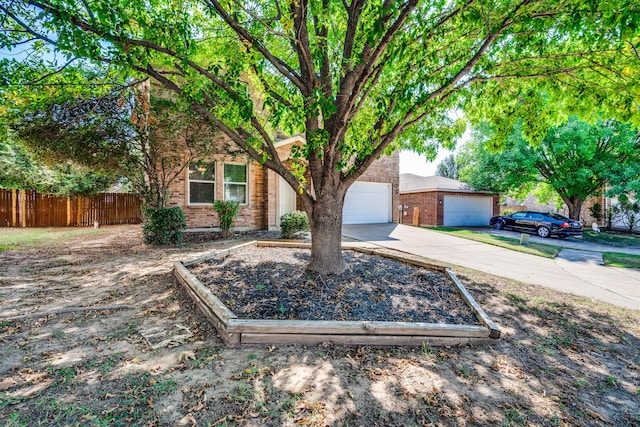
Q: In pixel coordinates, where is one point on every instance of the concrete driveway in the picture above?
(574, 272)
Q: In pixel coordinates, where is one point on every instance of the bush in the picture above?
(163, 226)
(227, 211)
(293, 222)
(628, 213)
(596, 211)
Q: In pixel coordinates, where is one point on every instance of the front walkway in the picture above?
(580, 277)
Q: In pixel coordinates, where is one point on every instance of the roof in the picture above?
(290, 140)
(411, 183)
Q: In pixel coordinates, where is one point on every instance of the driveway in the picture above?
(572, 272)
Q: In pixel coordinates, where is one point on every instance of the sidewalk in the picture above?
(577, 276)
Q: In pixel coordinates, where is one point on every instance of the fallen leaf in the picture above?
(198, 407)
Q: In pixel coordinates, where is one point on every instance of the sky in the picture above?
(417, 164)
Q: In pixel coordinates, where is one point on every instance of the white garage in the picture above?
(466, 211)
(367, 203)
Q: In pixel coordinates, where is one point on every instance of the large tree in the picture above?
(130, 132)
(576, 159)
(358, 78)
(21, 170)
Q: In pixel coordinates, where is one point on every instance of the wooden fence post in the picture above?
(14, 208)
(23, 208)
(79, 224)
(69, 211)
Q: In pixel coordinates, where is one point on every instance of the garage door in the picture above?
(467, 211)
(367, 203)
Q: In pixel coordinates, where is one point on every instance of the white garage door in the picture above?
(367, 203)
(467, 211)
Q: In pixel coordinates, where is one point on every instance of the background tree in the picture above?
(19, 170)
(448, 167)
(149, 139)
(358, 78)
(575, 159)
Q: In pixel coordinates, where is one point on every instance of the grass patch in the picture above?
(612, 239)
(539, 249)
(22, 238)
(615, 259)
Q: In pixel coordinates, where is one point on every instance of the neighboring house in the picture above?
(531, 203)
(587, 219)
(617, 223)
(264, 196)
(443, 201)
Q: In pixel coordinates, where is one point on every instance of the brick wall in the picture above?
(431, 211)
(261, 210)
(426, 202)
(251, 215)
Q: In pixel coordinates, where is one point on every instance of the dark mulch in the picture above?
(272, 283)
(213, 235)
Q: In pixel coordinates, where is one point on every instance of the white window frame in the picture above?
(246, 183)
(214, 182)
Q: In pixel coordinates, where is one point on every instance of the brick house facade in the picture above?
(423, 203)
(259, 190)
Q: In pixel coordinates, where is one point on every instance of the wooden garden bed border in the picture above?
(236, 331)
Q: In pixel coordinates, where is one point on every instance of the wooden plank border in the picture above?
(494, 331)
(236, 331)
(373, 340)
(328, 327)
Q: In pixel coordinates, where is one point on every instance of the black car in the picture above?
(542, 224)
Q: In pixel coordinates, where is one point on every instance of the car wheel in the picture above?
(543, 231)
(498, 225)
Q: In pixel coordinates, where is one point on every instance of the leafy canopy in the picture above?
(576, 159)
(20, 170)
(359, 78)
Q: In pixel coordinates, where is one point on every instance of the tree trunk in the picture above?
(326, 236)
(574, 204)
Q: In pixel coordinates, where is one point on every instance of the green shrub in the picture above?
(596, 211)
(227, 211)
(293, 222)
(163, 226)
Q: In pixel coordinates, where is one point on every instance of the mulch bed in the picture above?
(272, 283)
(213, 235)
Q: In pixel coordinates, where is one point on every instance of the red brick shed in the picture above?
(440, 201)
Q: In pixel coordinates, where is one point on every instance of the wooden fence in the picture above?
(19, 208)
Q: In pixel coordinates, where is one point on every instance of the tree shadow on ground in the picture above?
(561, 360)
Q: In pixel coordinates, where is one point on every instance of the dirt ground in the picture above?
(144, 356)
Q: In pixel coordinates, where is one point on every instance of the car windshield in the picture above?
(559, 217)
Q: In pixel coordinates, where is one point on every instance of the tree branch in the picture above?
(278, 63)
(46, 76)
(28, 29)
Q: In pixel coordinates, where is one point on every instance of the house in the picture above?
(264, 196)
(440, 201)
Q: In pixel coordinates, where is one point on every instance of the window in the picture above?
(519, 215)
(202, 183)
(235, 182)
